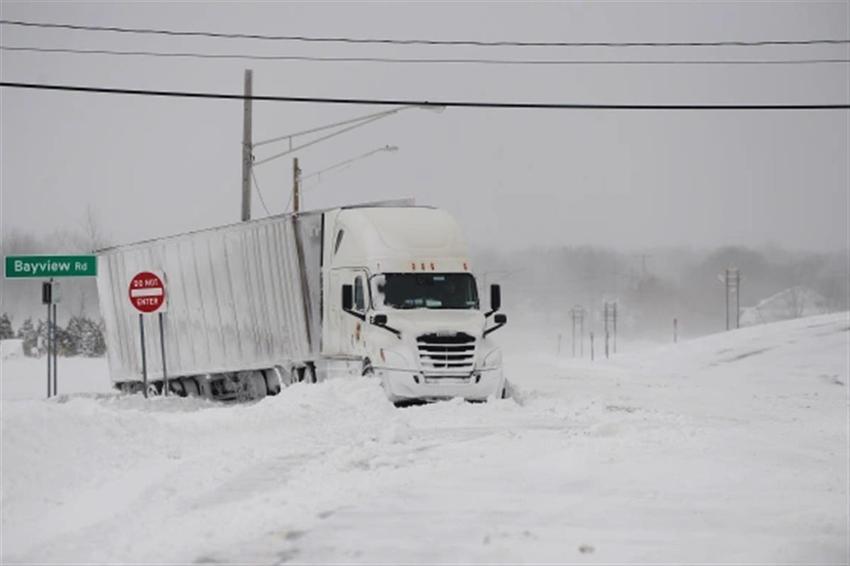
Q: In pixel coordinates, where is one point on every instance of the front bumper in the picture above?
(404, 385)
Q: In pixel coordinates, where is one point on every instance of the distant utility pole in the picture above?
(675, 330)
(296, 186)
(591, 346)
(610, 316)
(731, 280)
(247, 147)
(577, 315)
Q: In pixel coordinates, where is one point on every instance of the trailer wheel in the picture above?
(257, 385)
(190, 386)
(153, 390)
(274, 382)
(176, 386)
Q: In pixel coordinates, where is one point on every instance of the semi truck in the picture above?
(384, 290)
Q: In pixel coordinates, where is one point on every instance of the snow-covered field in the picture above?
(729, 448)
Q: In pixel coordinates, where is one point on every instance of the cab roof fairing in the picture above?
(395, 239)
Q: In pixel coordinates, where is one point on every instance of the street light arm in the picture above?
(347, 161)
(317, 140)
(335, 125)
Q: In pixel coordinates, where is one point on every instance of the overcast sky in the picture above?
(153, 166)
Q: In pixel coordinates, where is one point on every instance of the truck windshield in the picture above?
(430, 291)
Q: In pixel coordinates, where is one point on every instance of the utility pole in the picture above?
(247, 147)
(737, 299)
(607, 333)
(296, 186)
(731, 280)
(610, 318)
(577, 315)
(615, 328)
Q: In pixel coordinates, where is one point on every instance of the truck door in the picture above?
(349, 329)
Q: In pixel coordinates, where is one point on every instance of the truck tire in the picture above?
(368, 370)
(190, 386)
(274, 380)
(257, 385)
(176, 386)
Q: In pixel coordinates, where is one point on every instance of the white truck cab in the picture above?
(400, 296)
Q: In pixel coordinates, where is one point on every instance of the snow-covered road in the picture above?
(729, 448)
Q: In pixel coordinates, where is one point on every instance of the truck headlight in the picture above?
(492, 360)
(393, 359)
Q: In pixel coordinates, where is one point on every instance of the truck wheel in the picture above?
(153, 390)
(176, 386)
(190, 386)
(368, 370)
(257, 385)
(274, 381)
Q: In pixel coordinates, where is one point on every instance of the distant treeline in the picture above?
(80, 337)
(653, 286)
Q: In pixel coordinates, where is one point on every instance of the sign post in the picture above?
(147, 295)
(47, 299)
(49, 267)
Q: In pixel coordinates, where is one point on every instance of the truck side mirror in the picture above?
(381, 320)
(500, 320)
(347, 297)
(495, 298)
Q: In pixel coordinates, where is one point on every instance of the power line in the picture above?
(400, 102)
(418, 60)
(456, 42)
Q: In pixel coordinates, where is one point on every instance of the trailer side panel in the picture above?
(236, 298)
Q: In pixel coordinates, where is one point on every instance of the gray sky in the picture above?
(152, 166)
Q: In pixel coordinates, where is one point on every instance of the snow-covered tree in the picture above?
(29, 335)
(86, 337)
(41, 338)
(6, 331)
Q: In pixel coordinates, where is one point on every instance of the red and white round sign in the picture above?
(147, 292)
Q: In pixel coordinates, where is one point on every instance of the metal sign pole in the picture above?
(162, 353)
(55, 354)
(144, 362)
(46, 298)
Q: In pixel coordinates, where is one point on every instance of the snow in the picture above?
(11, 348)
(728, 448)
(794, 302)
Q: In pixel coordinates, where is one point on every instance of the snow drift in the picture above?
(730, 448)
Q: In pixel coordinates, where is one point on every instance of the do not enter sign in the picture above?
(147, 292)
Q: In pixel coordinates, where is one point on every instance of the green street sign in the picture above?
(43, 266)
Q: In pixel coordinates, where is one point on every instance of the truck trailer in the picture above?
(383, 290)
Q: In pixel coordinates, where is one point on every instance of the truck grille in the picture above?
(446, 354)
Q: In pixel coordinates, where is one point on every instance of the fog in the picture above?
(571, 200)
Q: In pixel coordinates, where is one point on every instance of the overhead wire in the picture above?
(395, 41)
(417, 60)
(422, 103)
(259, 193)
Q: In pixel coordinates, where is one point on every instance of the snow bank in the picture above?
(12, 348)
(730, 448)
(795, 302)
